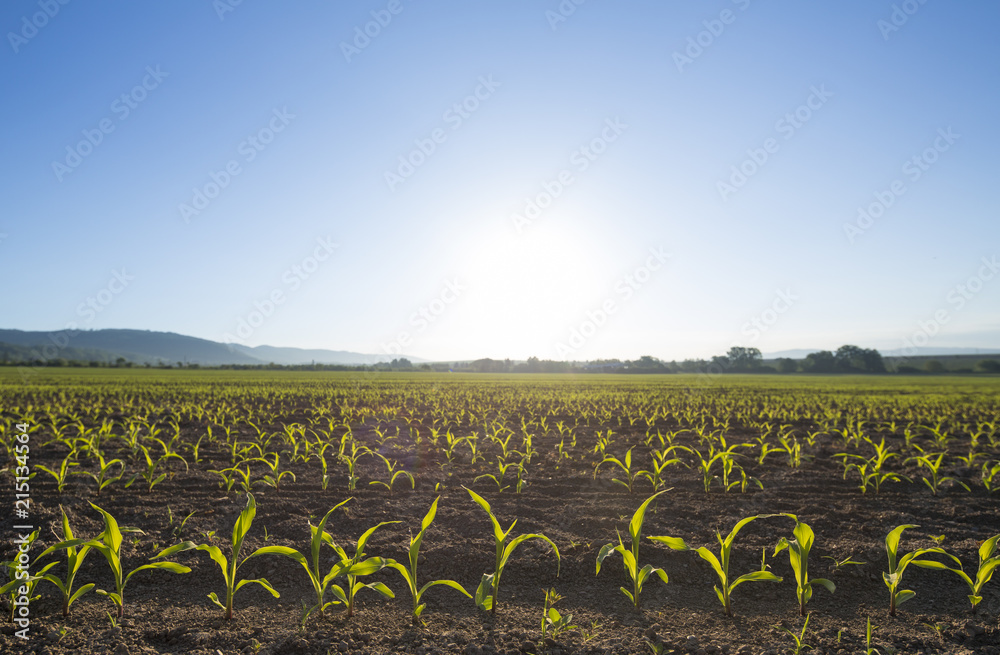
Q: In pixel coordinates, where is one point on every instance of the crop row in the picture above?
(246, 454)
(353, 567)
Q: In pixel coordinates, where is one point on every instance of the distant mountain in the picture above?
(940, 352)
(144, 346)
(800, 353)
(296, 356)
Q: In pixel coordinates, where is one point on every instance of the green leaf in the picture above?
(826, 583)
(284, 551)
(635, 525)
(602, 555)
(675, 543)
(904, 595)
(173, 567)
(448, 583)
(215, 599)
(176, 548)
(710, 557)
(756, 576)
(261, 581)
(79, 592)
(381, 588)
(367, 567)
(243, 524)
(484, 593)
(517, 541)
(218, 558)
(892, 543)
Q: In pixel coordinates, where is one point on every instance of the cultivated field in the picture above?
(184, 456)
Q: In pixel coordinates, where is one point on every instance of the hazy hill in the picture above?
(144, 346)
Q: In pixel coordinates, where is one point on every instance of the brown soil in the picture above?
(167, 613)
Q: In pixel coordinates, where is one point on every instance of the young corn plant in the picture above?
(109, 542)
(393, 474)
(720, 564)
(897, 566)
(630, 554)
(357, 566)
(320, 581)
(498, 478)
(489, 586)
(660, 463)
(932, 462)
(990, 476)
(75, 554)
(152, 466)
(989, 560)
(410, 573)
(871, 470)
(351, 460)
(230, 566)
(798, 556)
(800, 638)
(625, 466)
(104, 476)
(62, 475)
(869, 638)
(274, 475)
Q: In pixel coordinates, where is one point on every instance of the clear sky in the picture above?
(455, 179)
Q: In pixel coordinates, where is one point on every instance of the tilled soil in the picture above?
(170, 613)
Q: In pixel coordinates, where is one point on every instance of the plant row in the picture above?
(352, 567)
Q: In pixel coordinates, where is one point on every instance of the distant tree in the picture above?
(850, 358)
(933, 366)
(692, 365)
(533, 365)
(988, 366)
(487, 366)
(873, 361)
(646, 364)
(820, 362)
(744, 359)
(787, 365)
(853, 359)
(401, 362)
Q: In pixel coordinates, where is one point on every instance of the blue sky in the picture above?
(505, 179)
